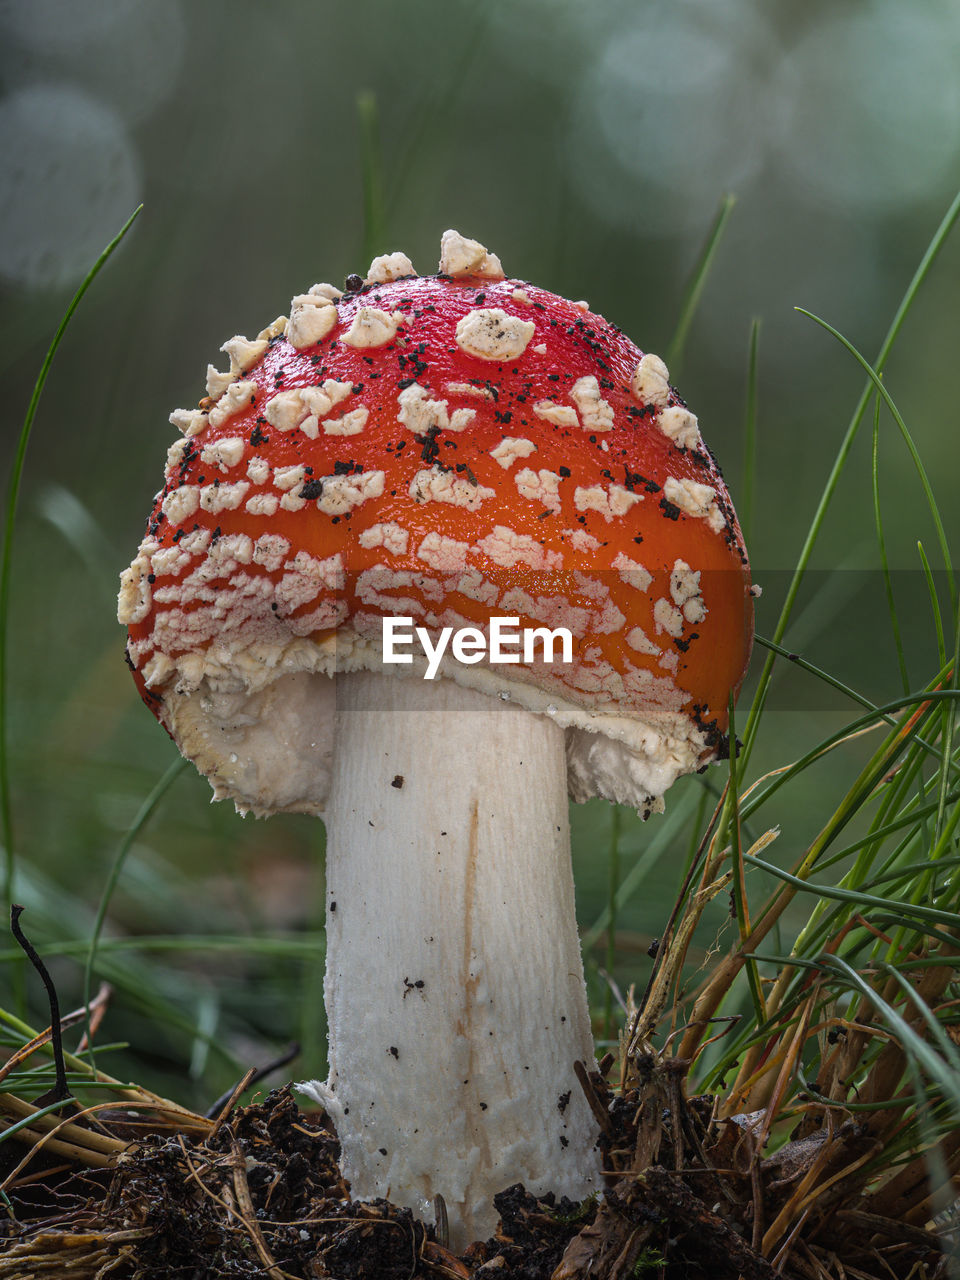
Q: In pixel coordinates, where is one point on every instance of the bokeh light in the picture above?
(72, 176)
(126, 53)
(668, 115)
(872, 106)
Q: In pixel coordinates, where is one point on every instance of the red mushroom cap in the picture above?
(450, 448)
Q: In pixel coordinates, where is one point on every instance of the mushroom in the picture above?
(449, 449)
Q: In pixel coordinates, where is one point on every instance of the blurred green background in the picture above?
(589, 145)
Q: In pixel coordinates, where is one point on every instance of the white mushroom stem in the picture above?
(454, 985)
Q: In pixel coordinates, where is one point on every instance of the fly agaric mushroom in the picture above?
(450, 448)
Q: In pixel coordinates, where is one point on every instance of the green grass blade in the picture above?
(863, 789)
(82, 535)
(948, 819)
(747, 498)
(940, 1071)
(666, 833)
(27, 1033)
(906, 303)
(937, 1173)
(6, 562)
(874, 376)
(9, 1130)
(695, 287)
(613, 884)
(798, 661)
(227, 943)
(173, 771)
(882, 759)
(437, 101)
(878, 522)
(911, 912)
(947, 737)
(374, 208)
(909, 870)
(940, 1037)
(731, 822)
(934, 605)
(909, 822)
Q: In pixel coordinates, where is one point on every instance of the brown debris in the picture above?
(259, 1194)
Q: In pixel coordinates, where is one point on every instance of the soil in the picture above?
(262, 1196)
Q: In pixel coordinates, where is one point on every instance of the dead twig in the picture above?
(248, 1216)
(227, 1100)
(60, 1090)
(226, 1105)
(594, 1103)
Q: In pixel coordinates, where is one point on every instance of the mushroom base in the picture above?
(454, 986)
